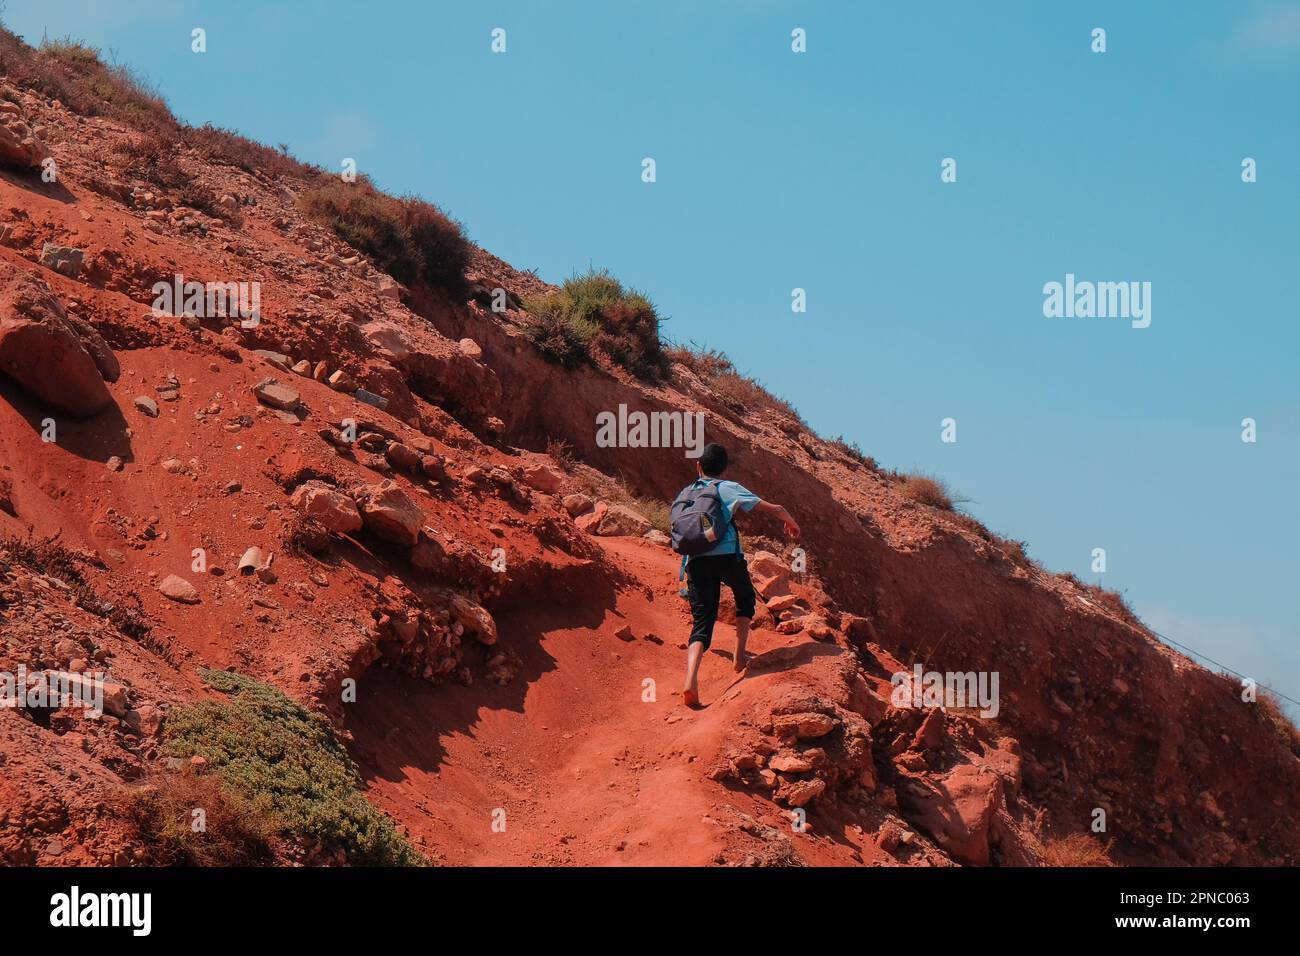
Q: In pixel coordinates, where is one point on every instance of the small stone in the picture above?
(178, 589)
(147, 405)
(276, 395)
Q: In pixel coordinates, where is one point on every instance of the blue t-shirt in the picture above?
(735, 497)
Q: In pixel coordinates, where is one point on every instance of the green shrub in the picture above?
(284, 760)
(593, 312)
(410, 239)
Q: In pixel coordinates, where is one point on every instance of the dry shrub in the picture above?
(1270, 705)
(229, 148)
(561, 453)
(740, 393)
(77, 76)
(236, 832)
(1078, 849)
(926, 490)
(1112, 601)
(853, 450)
(410, 239)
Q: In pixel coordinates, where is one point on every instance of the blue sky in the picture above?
(821, 171)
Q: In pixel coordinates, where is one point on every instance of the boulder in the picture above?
(19, 146)
(544, 479)
(608, 520)
(433, 467)
(766, 564)
(957, 811)
(576, 504)
(41, 349)
(474, 619)
(341, 381)
(803, 792)
(803, 725)
(389, 513)
(402, 456)
(146, 720)
(278, 359)
(275, 394)
(63, 259)
(88, 687)
(772, 587)
(334, 510)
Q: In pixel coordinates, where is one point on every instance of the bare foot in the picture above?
(691, 697)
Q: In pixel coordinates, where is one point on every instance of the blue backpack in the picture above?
(699, 519)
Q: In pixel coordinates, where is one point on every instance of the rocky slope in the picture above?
(514, 643)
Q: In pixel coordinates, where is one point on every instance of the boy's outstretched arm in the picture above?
(769, 507)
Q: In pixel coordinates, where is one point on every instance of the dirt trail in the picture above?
(587, 771)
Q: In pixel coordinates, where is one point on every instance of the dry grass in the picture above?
(1270, 705)
(234, 831)
(561, 453)
(1078, 849)
(1112, 601)
(740, 393)
(410, 239)
(926, 490)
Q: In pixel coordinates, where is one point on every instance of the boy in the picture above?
(724, 563)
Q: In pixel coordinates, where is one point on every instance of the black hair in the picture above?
(713, 460)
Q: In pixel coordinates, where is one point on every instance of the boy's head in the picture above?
(713, 460)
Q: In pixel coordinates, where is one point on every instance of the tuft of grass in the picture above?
(593, 313)
(410, 239)
(228, 148)
(561, 453)
(1078, 849)
(926, 490)
(658, 513)
(854, 450)
(76, 74)
(1112, 601)
(283, 760)
(234, 832)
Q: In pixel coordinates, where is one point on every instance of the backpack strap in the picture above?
(731, 519)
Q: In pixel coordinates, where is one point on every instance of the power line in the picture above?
(1224, 667)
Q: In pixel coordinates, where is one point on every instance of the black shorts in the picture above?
(704, 579)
